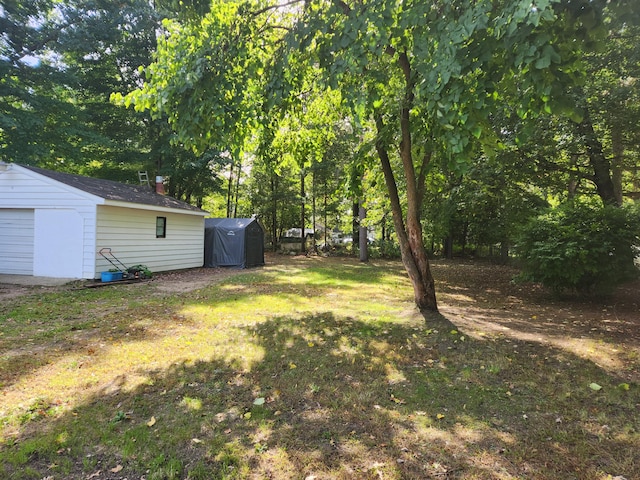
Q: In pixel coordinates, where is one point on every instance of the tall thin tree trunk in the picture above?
(364, 247)
(229, 190)
(447, 245)
(313, 210)
(303, 247)
(355, 225)
(325, 218)
(274, 211)
(237, 188)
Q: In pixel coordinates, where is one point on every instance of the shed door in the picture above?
(16, 241)
(229, 247)
(255, 245)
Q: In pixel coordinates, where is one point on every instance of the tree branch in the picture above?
(276, 7)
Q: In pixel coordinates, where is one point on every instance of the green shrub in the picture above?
(581, 247)
(384, 249)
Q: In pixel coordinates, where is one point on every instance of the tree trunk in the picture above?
(409, 232)
(447, 246)
(364, 247)
(504, 252)
(313, 211)
(303, 247)
(355, 225)
(600, 164)
(465, 232)
(237, 188)
(229, 190)
(326, 225)
(414, 255)
(274, 212)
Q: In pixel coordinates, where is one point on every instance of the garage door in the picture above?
(16, 241)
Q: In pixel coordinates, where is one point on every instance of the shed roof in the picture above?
(116, 191)
(229, 223)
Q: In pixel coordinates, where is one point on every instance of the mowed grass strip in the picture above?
(317, 368)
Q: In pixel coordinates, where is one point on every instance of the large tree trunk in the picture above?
(414, 255)
(600, 164)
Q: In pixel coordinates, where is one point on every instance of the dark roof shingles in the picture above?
(110, 190)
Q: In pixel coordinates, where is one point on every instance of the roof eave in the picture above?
(155, 208)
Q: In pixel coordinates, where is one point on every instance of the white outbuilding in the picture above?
(53, 224)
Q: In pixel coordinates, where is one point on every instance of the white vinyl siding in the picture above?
(24, 189)
(16, 241)
(131, 236)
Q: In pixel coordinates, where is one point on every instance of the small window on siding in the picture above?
(161, 227)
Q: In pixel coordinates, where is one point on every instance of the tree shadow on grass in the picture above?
(485, 302)
(42, 344)
(33, 339)
(334, 397)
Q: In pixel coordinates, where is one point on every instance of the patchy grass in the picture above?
(319, 368)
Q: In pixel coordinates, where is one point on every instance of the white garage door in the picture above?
(16, 241)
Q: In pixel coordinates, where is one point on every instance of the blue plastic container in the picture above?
(110, 276)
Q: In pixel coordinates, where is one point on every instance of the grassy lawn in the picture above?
(318, 369)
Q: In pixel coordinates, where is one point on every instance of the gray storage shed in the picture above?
(233, 242)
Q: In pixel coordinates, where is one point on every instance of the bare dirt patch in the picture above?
(180, 281)
(192, 279)
(8, 291)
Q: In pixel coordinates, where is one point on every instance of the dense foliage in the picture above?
(582, 247)
(59, 64)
